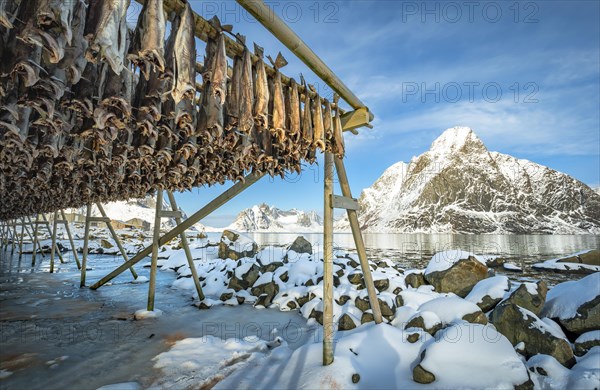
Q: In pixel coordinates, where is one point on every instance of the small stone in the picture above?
(415, 280)
(342, 300)
(284, 277)
(413, 337)
(367, 317)
(301, 245)
(302, 300)
(292, 305)
(355, 378)
(240, 299)
(421, 375)
(271, 267)
(381, 284)
(226, 296)
(346, 323)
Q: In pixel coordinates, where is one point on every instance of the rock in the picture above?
(226, 296)
(520, 325)
(381, 284)
(252, 275)
(235, 246)
(204, 306)
(346, 322)
(367, 317)
(591, 258)
(292, 305)
(363, 305)
(263, 300)
(340, 272)
(357, 279)
(353, 263)
(317, 315)
(476, 318)
(271, 266)
(489, 292)
(421, 375)
(530, 296)
(240, 299)
(495, 261)
(415, 280)
(302, 300)
(413, 337)
(106, 244)
(238, 284)
(355, 378)
(586, 341)
(284, 277)
(342, 300)
(459, 278)
(428, 321)
(301, 245)
(575, 304)
(271, 288)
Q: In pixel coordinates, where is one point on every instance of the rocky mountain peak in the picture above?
(457, 140)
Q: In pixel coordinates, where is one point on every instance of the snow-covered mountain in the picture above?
(460, 186)
(143, 209)
(262, 218)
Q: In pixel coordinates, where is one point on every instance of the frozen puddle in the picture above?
(45, 318)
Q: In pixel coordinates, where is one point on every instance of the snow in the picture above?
(121, 386)
(556, 377)
(143, 314)
(565, 298)
(449, 309)
(444, 260)
(495, 287)
(586, 373)
(588, 336)
(511, 267)
(197, 362)
(264, 218)
(558, 265)
(473, 351)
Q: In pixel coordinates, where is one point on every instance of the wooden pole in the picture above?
(50, 232)
(328, 262)
(219, 201)
(86, 236)
(358, 240)
(155, 247)
(15, 236)
(186, 248)
(54, 226)
(116, 238)
(68, 229)
(21, 238)
(35, 240)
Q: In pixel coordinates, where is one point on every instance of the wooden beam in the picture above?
(47, 225)
(358, 240)
(170, 214)
(354, 119)
(186, 224)
(155, 248)
(328, 324)
(342, 202)
(186, 248)
(68, 229)
(53, 249)
(116, 238)
(99, 219)
(86, 239)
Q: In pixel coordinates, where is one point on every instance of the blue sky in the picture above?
(524, 75)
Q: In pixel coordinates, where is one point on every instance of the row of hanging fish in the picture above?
(91, 111)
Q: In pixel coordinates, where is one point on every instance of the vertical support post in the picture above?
(116, 238)
(155, 247)
(21, 238)
(50, 233)
(358, 240)
(14, 243)
(53, 249)
(68, 229)
(35, 239)
(186, 248)
(328, 262)
(86, 236)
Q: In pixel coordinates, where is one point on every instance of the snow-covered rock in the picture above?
(459, 186)
(455, 271)
(487, 293)
(575, 304)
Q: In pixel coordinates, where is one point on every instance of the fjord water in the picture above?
(414, 250)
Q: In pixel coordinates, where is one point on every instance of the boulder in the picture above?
(363, 305)
(263, 300)
(301, 245)
(106, 244)
(357, 279)
(346, 322)
(235, 246)
(530, 296)
(575, 304)
(271, 289)
(381, 284)
(426, 320)
(520, 325)
(489, 292)
(458, 275)
(272, 266)
(415, 280)
(367, 317)
(586, 341)
(591, 257)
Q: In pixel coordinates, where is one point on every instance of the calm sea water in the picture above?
(415, 250)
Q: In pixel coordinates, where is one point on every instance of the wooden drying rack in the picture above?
(360, 116)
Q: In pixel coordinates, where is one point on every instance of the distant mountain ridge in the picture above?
(264, 218)
(459, 186)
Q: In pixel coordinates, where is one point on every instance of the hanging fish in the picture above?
(233, 103)
(74, 61)
(8, 12)
(318, 127)
(184, 72)
(278, 123)
(148, 46)
(328, 125)
(217, 89)
(261, 105)
(246, 117)
(307, 125)
(106, 31)
(293, 109)
(338, 132)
